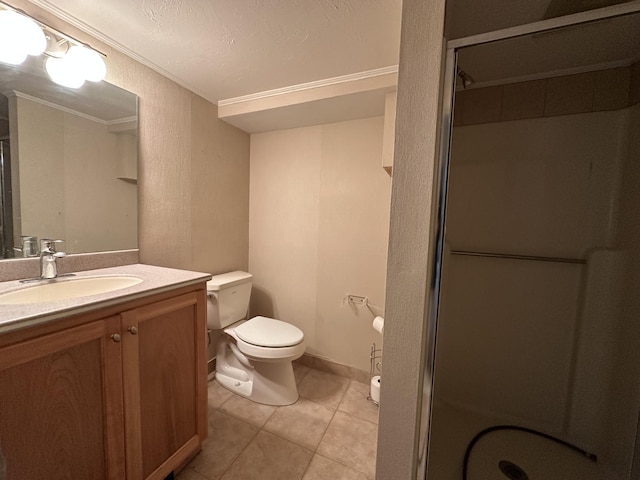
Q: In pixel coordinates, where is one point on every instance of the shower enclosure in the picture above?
(536, 361)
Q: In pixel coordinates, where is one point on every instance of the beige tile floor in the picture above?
(330, 433)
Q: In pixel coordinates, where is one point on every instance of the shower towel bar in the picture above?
(520, 257)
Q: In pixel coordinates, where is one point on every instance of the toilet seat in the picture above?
(269, 332)
(270, 354)
(285, 340)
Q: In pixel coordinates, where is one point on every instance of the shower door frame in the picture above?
(441, 181)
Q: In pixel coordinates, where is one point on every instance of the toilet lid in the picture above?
(267, 332)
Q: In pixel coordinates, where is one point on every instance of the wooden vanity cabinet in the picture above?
(119, 397)
(164, 377)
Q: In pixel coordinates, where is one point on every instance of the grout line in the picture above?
(315, 452)
(194, 471)
(329, 424)
(358, 418)
(350, 467)
(275, 434)
(245, 420)
(231, 415)
(241, 451)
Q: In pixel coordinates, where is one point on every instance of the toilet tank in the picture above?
(228, 298)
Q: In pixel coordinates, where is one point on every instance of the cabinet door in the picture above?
(61, 413)
(164, 384)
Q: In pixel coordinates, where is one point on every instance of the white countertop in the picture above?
(154, 280)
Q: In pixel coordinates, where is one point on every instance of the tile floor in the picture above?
(329, 433)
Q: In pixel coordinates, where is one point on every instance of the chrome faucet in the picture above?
(29, 247)
(48, 256)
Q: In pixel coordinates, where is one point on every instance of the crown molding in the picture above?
(118, 121)
(26, 96)
(301, 87)
(326, 90)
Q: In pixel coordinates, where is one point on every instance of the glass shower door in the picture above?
(536, 352)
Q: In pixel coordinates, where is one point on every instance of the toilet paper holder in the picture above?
(375, 370)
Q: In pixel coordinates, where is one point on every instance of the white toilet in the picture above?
(253, 357)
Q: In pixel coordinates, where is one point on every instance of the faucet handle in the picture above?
(48, 245)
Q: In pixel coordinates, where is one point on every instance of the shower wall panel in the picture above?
(543, 186)
(506, 339)
(624, 389)
(510, 330)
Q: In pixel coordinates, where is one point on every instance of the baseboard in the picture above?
(319, 363)
(329, 366)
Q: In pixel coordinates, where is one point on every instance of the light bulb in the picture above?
(89, 62)
(10, 55)
(64, 72)
(30, 35)
(10, 50)
(19, 36)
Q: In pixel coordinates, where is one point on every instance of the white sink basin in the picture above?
(68, 288)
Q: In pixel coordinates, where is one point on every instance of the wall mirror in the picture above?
(537, 353)
(68, 161)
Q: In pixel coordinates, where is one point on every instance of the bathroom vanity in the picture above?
(105, 386)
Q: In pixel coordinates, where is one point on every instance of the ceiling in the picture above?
(226, 49)
(223, 49)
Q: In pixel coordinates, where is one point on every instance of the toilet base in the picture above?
(269, 383)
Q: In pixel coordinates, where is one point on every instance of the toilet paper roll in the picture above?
(375, 390)
(378, 324)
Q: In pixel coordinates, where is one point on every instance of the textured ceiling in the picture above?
(228, 48)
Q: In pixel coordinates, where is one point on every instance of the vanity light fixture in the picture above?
(79, 64)
(69, 62)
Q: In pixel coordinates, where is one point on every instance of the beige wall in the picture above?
(192, 166)
(43, 218)
(318, 231)
(68, 181)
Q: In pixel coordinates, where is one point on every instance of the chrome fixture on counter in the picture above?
(48, 257)
(28, 248)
